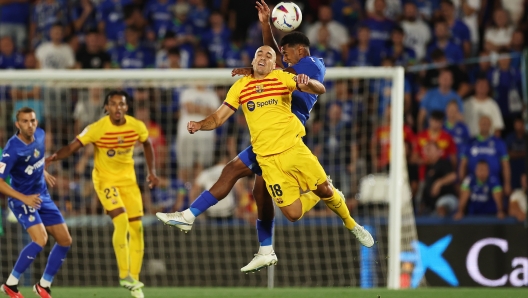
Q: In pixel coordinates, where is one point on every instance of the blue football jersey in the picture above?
(302, 102)
(460, 134)
(493, 150)
(481, 200)
(25, 164)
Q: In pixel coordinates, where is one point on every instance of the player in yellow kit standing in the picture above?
(114, 178)
(288, 165)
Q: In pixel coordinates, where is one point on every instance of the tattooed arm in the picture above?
(212, 121)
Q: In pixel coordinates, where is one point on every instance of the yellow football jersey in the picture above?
(114, 147)
(266, 104)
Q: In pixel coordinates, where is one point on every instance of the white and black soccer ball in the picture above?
(286, 16)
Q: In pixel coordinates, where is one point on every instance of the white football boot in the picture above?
(260, 261)
(175, 219)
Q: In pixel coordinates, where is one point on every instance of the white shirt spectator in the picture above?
(499, 36)
(206, 98)
(417, 36)
(474, 108)
(52, 56)
(515, 9)
(470, 20)
(338, 34)
(205, 180)
(393, 9)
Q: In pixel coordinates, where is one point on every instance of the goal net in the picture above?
(355, 129)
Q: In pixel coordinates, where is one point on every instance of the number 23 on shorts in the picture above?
(111, 193)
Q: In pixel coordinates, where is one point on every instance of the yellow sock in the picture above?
(308, 200)
(338, 205)
(120, 242)
(137, 248)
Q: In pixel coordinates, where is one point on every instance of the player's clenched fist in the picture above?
(32, 201)
(193, 127)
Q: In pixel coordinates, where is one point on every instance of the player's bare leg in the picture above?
(266, 212)
(55, 259)
(184, 220)
(39, 238)
(122, 250)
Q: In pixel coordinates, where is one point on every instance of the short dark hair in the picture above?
(448, 2)
(117, 93)
(174, 51)
(398, 29)
(294, 39)
(452, 102)
(437, 54)
(24, 110)
(482, 162)
(437, 115)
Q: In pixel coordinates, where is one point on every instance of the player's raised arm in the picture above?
(212, 121)
(264, 14)
(305, 84)
(65, 151)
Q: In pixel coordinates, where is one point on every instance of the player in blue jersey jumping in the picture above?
(28, 198)
(295, 52)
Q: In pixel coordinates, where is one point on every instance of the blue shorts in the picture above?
(249, 158)
(48, 214)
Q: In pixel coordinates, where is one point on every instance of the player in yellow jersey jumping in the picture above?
(288, 165)
(114, 178)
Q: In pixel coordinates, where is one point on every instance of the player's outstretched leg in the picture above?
(266, 212)
(25, 259)
(55, 259)
(184, 220)
(335, 200)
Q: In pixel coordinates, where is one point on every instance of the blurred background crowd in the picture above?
(464, 97)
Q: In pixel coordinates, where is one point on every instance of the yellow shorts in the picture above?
(289, 172)
(113, 197)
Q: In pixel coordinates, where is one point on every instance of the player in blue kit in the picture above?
(295, 52)
(28, 198)
(480, 193)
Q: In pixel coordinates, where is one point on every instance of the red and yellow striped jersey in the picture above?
(114, 147)
(266, 104)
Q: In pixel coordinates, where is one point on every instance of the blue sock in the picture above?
(265, 231)
(26, 257)
(203, 202)
(55, 260)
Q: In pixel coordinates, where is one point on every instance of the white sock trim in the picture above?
(188, 215)
(12, 280)
(44, 283)
(265, 250)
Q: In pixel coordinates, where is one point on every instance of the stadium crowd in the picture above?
(465, 104)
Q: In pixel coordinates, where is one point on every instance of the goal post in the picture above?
(394, 235)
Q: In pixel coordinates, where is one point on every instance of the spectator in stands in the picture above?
(393, 8)
(158, 14)
(111, 19)
(28, 95)
(499, 36)
(363, 54)
(92, 55)
(199, 16)
(240, 14)
(84, 17)
(88, 108)
(460, 78)
(14, 18)
(226, 208)
(162, 56)
(352, 106)
(417, 32)
(55, 54)
(518, 202)
(235, 54)
(45, 15)
(194, 152)
(214, 38)
(181, 24)
(173, 58)
(515, 9)
(434, 133)
(348, 13)
(482, 69)
(170, 195)
(439, 193)
(480, 193)
(337, 148)
(322, 49)
(402, 55)
(506, 86)
(455, 127)
(338, 39)
(156, 134)
(442, 41)
(482, 104)
(9, 58)
(517, 47)
(516, 143)
(132, 54)
(380, 27)
(459, 31)
(490, 149)
(437, 99)
(470, 10)
(381, 90)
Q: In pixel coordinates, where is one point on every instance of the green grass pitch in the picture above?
(60, 292)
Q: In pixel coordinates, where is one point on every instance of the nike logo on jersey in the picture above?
(5, 155)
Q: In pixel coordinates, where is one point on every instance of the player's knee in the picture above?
(65, 240)
(292, 214)
(41, 239)
(324, 191)
(235, 169)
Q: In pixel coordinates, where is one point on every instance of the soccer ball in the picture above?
(286, 16)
